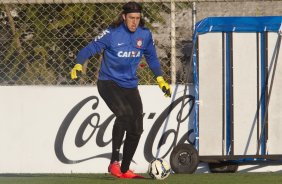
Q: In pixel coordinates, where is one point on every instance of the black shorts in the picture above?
(125, 103)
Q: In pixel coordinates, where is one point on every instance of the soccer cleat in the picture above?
(131, 175)
(114, 169)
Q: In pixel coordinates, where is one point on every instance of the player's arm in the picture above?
(94, 47)
(154, 64)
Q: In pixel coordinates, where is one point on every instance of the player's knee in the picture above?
(136, 126)
(133, 123)
(124, 119)
(137, 131)
(134, 135)
(139, 122)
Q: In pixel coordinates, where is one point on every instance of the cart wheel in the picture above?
(184, 158)
(223, 167)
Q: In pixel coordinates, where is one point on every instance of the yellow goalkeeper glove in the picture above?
(76, 71)
(164, 86)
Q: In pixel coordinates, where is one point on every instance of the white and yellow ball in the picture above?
(159, 169)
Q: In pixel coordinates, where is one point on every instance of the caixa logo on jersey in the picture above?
(155, 139)
(129, 54)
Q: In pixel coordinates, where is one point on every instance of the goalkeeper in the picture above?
(123, 44)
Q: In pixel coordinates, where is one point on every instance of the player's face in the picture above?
(132, 20)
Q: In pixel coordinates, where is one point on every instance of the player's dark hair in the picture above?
(130, 7)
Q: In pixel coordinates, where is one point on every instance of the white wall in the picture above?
(31, 116)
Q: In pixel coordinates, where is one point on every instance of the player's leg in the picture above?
(134, 130)
(127, 106)
(111, 94)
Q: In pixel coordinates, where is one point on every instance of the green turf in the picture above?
(237, 178)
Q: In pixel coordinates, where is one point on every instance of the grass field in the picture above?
(241, 178)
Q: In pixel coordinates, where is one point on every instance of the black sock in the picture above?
(130, 145)
(117, 136)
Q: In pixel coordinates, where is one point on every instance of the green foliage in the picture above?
(60, 29)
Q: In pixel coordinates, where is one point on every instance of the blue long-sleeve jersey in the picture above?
(122, 52)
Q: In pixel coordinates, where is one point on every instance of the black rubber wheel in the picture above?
(184, 158)
(223, 167)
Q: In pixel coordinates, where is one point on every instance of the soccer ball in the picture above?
(159, 169)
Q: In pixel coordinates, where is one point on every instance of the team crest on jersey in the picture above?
(139, 43)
